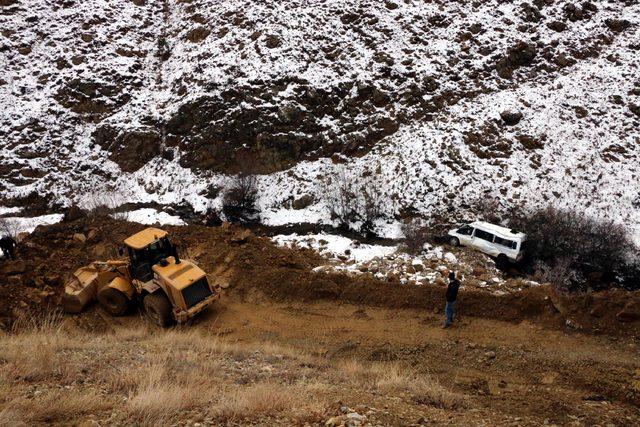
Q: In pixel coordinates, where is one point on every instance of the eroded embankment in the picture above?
(244, 263)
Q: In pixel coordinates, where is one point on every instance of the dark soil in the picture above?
(245, 263)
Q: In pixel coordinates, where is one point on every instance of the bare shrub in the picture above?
(354, 202)
(239, 200)
(416, 235)
(572, 245)
(9, 228)
(561, 274)
(100, 204)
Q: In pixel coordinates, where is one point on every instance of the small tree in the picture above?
(239, 201)
(416, 235)
(355, 202)
(9, 228)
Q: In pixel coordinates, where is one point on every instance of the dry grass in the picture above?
(52, 405)
(395, 378)
(269, 399)
(148, 376)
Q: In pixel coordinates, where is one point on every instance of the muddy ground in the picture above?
(520, 359)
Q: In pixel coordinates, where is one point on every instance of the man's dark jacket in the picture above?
(452, 290)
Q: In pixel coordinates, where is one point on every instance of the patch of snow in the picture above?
(5, 210)
(15, 225)
(150, 216)
(335, 246)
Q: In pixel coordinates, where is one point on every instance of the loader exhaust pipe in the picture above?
(175, 254)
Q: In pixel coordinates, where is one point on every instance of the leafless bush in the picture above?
(561, 274)
(9, 228)
(100, 204)
(240, 197)
(239, 201)
(355, 202)
(416, 234)
(572, 244)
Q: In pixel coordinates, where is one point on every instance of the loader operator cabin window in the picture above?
(481, 234)
(466, 230)
(159, 250)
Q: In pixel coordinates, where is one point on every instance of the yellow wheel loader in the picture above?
(170, 289)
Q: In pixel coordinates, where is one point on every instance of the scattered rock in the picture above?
(520, 55)
(630, 312)
(557, 26)
(530, 142)
(581, 112)
(272, 41)
(74, 213)
(549, 378)
(511, 118)
(617, 25)
(241, 237)
(198, 34)
(13, 267)
(572, 324)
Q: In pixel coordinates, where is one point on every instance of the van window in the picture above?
(481, 234)
(465, 230)
(505, 242)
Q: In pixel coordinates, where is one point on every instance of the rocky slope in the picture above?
(436, 103)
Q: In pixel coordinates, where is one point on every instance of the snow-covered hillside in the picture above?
(437, 103)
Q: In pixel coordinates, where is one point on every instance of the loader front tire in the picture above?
(113, 301)
(158, 309)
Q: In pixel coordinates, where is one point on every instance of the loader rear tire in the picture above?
(158, 309)
(113, 301)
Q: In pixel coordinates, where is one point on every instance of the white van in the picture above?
(499, 242)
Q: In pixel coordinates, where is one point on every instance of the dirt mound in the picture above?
(247, 265)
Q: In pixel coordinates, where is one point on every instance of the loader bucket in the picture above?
(83, 288)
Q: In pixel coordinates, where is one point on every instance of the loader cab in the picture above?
(146, 249)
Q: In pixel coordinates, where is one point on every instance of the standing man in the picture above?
(8, 245)
(451, 295)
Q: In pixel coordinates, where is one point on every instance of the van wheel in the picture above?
(502, 262)
(158, 309)
(113, 301)
(454, 241)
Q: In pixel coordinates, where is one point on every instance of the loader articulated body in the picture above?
(170, 289)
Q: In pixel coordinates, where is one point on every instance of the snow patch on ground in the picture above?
(5, 210)
(150, 216)
(337, 247)
(15, 225)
